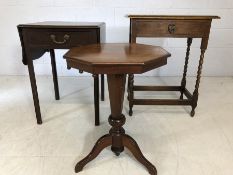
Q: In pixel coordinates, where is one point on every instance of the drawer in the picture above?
(172, 28)
(60, 38)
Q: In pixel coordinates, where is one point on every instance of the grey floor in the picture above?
(173, 141)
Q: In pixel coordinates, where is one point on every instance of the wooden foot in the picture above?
(68, 67)
(192, 112)
(102, 143)
(117, 151)
(132, 145)
(130, 111)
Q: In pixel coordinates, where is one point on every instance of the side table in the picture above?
(41, 37)
(116, 60)
(170, 26)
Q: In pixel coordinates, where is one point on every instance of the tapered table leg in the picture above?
(54, 71)
(102, 87)
(96, 99)
(34, 91)
(116, 138)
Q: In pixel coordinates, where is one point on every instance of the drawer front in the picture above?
(63, 39)
(172, 28)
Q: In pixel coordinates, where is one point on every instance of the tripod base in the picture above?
(106, 141)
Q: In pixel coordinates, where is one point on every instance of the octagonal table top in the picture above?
(116, 58)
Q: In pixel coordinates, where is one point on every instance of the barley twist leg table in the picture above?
(170, 26)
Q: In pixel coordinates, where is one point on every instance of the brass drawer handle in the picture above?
(171, 28)
(66, 38)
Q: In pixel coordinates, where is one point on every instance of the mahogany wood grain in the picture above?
(38, 38)
(116, 60)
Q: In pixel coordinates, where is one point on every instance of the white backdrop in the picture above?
(219, 56)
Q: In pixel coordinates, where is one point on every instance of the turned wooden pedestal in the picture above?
(116, 60)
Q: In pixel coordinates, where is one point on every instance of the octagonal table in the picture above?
(116, 60)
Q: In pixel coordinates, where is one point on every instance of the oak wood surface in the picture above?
(176, 17)
(171, 26)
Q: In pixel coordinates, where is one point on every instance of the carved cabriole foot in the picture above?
(102, 143)
(132, 145)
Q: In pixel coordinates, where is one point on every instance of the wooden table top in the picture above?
(62, 24)
(174, 17)
(117, 58)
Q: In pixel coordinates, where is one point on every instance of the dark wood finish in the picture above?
(183, 82)
(187, 94)
(96, 98)
(38, 38)
(34, 90)
(175, 26)
(61, 38)
(130, 93)
(157, 88)
(54, 71)
(102, 87)
(116, 60)
(161, 102)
